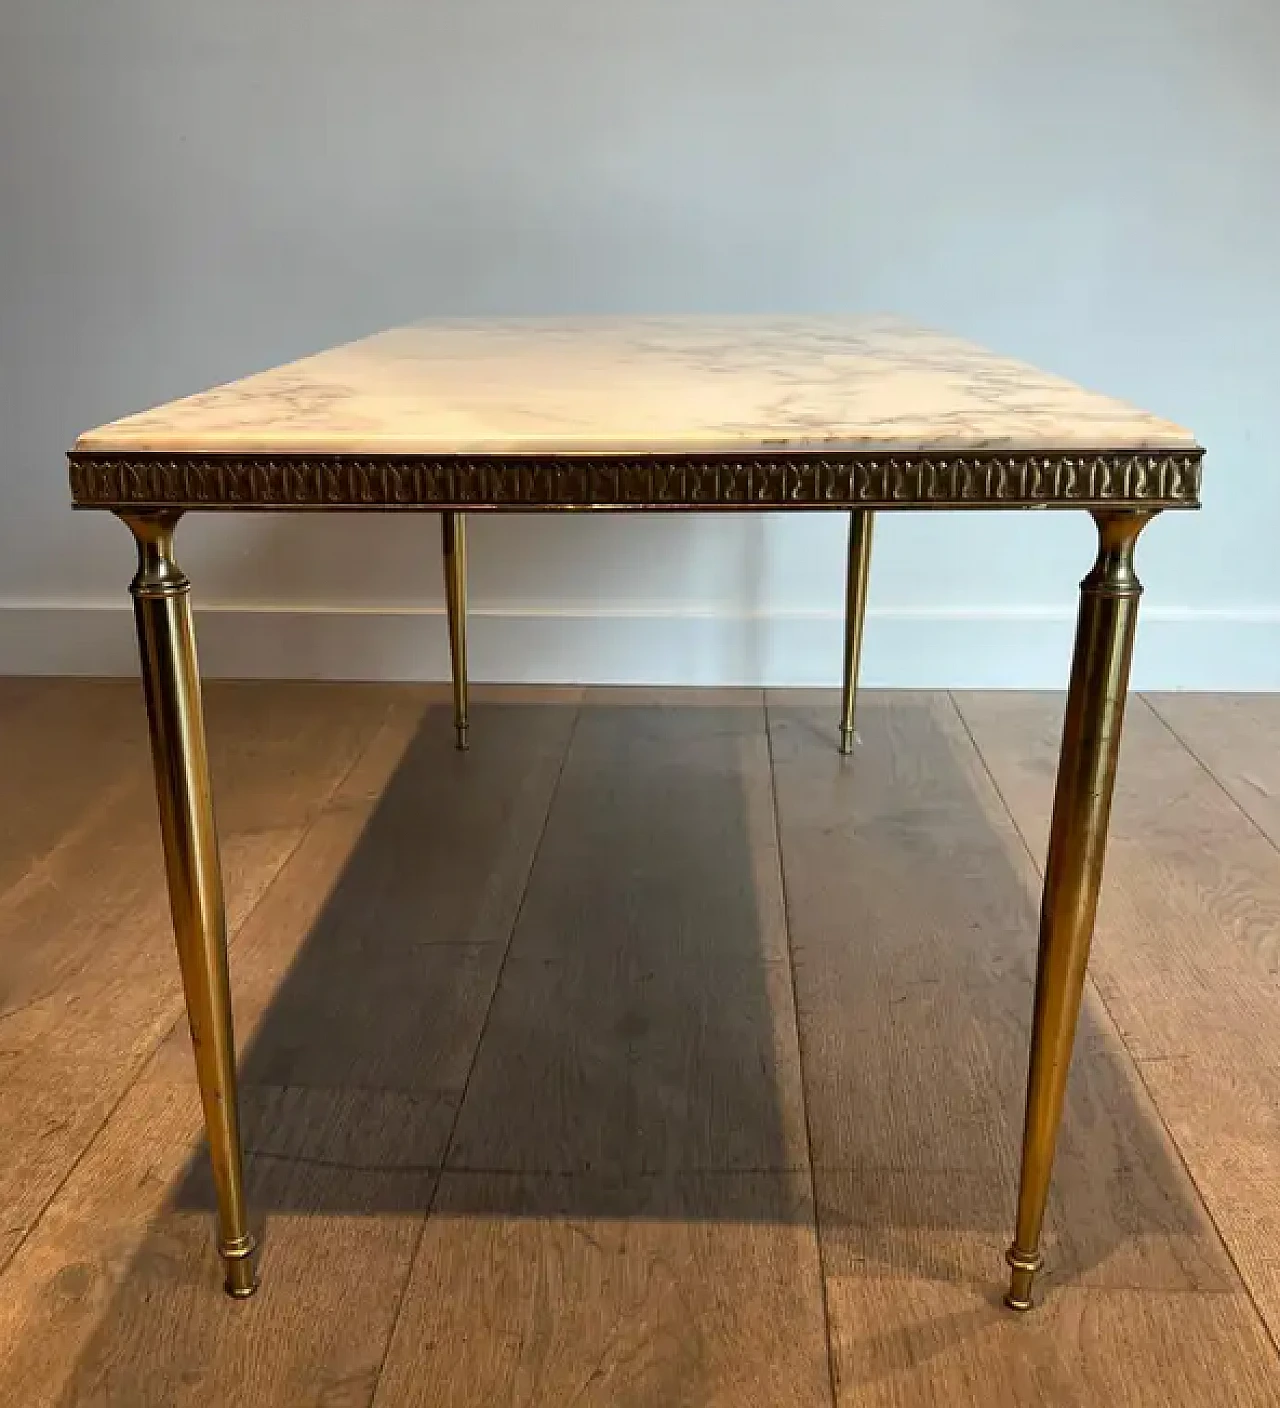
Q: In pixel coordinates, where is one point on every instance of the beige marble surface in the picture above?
(637, 385)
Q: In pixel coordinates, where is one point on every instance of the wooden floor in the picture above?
(652, 1055)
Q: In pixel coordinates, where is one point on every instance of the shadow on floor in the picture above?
(587, 1011)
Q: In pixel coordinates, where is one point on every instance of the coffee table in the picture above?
(764, 415)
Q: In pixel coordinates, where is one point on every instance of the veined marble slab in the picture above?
(645, 385)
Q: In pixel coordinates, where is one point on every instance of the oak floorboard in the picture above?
(1237, 738)
(85, 937)
(912, 910)
(909, 931)
(644, 1019)
(933, 1342)
(627, 1212)
(361, 1007)
(66, 749)
(372, 960)
(1187, 948)
(114, 1299)
(361, 991)
(673, 1291)
(89, 982)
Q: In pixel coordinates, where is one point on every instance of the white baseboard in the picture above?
(924, 649)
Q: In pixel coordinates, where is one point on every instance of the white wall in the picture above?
(192, 192)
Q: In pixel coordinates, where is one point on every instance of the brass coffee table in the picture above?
(761, 415)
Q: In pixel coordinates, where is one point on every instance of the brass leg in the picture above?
(453, 533)
(1077, 842)
(861, 521)
(171, 682)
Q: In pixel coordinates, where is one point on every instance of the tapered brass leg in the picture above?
(855, 612)
(453, 533)
(1077, 842)
(171, 682)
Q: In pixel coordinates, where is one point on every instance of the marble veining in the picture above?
(644, 386)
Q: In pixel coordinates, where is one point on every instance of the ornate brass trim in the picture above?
(879, 480)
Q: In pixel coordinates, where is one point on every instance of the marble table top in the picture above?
(644, 386)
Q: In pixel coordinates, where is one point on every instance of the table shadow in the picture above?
(626, 1048)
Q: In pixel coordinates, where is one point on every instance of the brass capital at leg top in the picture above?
(1112, 573)
(158, 573)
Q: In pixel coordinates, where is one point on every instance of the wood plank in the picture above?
(1226, 1121)
(47, 1117)
(911, 903)
(693, 1289)
(66, 748)
(89, 962)
(358, 988)
(1237, 737)
(372, 1027)
(86, 933)
(644, 1019)
(909, 925)
(1122, 1212)
(371, 963)
(1185, 955)
(114, 1298)
(637, 1279)
(926, 1342)
(1187, 950)
(89, 978)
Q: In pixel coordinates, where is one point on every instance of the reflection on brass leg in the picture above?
(1077, 841)
(855, 613)
(453, 534)
(171, 682)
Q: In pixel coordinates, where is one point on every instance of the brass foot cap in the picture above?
(846, 740)
(240, 1281)
(463, 745)
(1024, 1266)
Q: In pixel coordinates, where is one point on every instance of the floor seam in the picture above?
(484, 1027)
(832, 1373)
(1139, 1074)
(145, 1059)
(1213, 776)
(304, 834)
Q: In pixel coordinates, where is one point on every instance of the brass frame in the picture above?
(1123, 490)
(1080, 478)
(453, 537)
(858, 572)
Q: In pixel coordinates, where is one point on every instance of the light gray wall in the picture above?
(189, 193)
